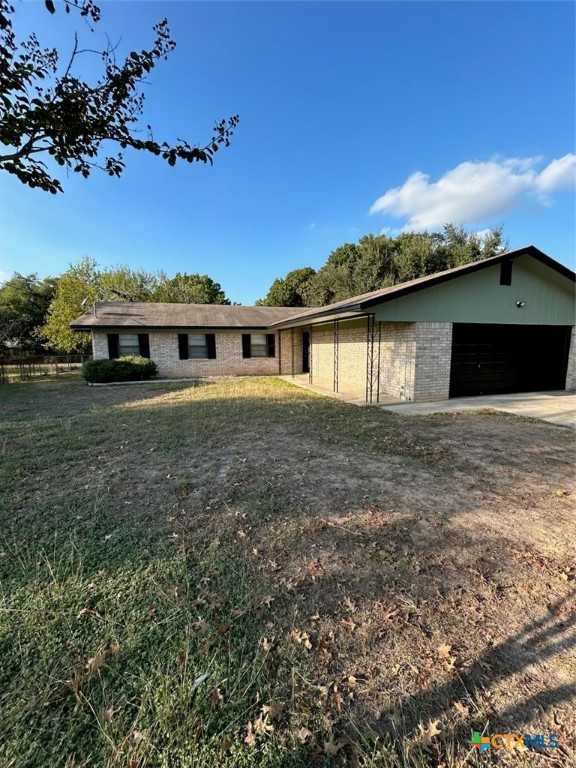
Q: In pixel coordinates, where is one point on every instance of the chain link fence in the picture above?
(13, 369)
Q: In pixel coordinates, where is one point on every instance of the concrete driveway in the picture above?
(556, 407)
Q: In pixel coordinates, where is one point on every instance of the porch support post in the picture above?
(336, 353)
(371, 367)
(310, 347)
(280, 353)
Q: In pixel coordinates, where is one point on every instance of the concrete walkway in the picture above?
(301, 380)
(555, 407)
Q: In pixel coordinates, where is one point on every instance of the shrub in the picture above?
(132, 368)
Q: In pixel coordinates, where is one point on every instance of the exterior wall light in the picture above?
(520, 304)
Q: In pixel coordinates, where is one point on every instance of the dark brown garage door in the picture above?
(494, 359)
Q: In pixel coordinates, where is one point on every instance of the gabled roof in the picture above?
(138, 315)
(357, 305)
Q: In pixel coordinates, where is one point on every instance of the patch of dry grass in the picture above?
(361, 588)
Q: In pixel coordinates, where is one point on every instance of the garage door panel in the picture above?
(496, 359)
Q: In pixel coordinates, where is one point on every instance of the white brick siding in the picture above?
(228, 362)
(99, 346)
(352, 355)
(322, 356)
(397, 360)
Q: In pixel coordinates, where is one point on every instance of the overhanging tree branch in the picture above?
(70, 119)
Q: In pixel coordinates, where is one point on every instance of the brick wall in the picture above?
(290, 343)
(414, 358)
(571, 373)
(99, 346)
(433, 359)
(352, 357)
(397, 360)
(228, 362)
(322, 356)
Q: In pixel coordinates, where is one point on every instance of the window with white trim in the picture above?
(197, 345)
(258, 345)
(128, 344)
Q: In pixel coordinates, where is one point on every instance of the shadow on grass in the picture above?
(320, 502)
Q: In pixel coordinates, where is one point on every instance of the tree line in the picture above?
(35, 313)
(379, 261)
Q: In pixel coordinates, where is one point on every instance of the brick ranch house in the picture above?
(505, 324)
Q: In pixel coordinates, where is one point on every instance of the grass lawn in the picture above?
(243, 573)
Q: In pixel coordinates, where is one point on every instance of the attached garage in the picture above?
(491, 359)
(504, 324)
(501, 325)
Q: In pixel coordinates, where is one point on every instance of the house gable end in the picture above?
(538, 295)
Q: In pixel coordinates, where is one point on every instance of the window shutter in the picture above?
(246, 345)
(144, 344)
(271, 344)
(113, 346)
(183, 346)
(211, 345)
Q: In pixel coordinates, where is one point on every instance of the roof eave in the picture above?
(321, 317)
(470, 269)
(143, 328)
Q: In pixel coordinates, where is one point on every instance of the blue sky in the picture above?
(355, 118)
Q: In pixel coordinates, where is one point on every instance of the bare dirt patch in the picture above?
(424, 568)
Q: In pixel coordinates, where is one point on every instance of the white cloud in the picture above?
(560, 174)
(474, 192)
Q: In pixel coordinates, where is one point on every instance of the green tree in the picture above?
(378, 261)
(125, 284)
(334, 281)
(24, 302)
(189, 289)
(47, 110)
(76, 290)
(375, 266)
(85, 283)
(290, 290)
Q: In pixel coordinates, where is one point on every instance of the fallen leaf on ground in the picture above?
(216, 697)
(332, 747)
(262, 725)
(303, 734)
(301, 638)
(349, 605)
(426, 734)
(273, 710)
(348, 624)
(137, 737)
(204, 648)
(105, 715)
(96, 662)
(460, 709)
(250, 739)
